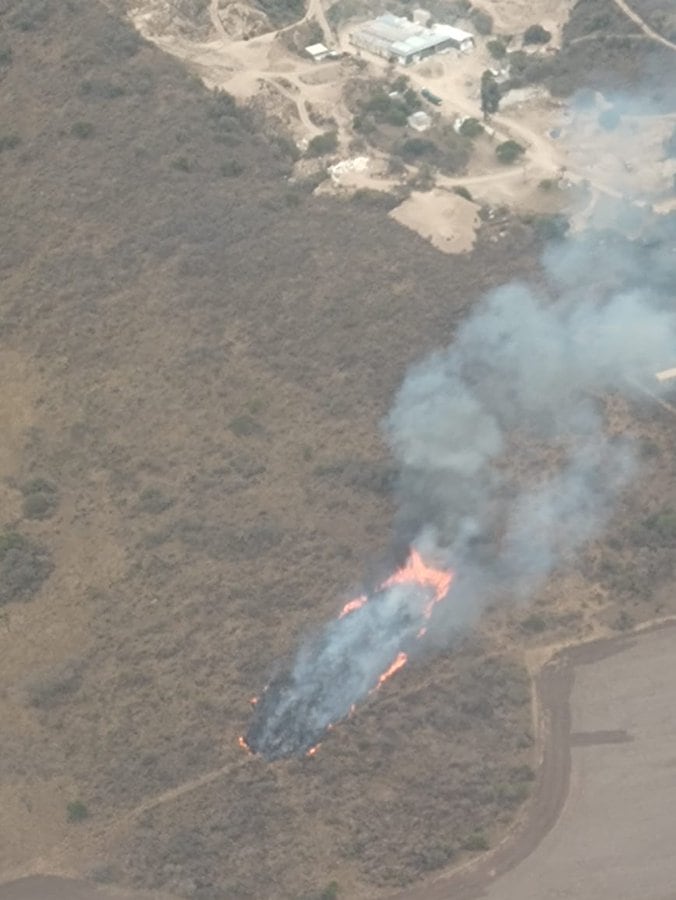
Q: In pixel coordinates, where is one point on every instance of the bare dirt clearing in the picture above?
(606, 708)
(448, 221)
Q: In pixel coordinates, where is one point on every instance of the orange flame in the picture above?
(313, 750)
(399, 663)
(416, 571)
(352, 605)
(243, 744)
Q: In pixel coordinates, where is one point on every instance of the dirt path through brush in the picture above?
(645, 28)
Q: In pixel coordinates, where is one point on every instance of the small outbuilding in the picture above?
(318, 52)
(419, 121)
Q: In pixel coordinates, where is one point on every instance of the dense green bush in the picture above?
(9, 141)
(322, 144)
(462, 191)
(475, 842)
(509, 151)
(482, 21)
(82, 130)
(76, 811)
(39, 498)
(536, 34)
(24, 565)
(471, 128)
(497, 49)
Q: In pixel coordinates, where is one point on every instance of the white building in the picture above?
(419, 121)
(317, 51)
(405, 42)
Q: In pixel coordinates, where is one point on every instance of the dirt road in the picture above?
(554, 685)
(645, 28)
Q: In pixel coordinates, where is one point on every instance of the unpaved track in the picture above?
(553, 686)
(645, 28)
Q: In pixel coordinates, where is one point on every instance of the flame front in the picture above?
(363, 648)
(399, 663)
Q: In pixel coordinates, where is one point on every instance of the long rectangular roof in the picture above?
(406, 38)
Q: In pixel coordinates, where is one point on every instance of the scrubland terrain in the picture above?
(196, 354)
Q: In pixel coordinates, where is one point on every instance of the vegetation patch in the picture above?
(24, 565)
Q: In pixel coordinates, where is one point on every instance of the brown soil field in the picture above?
(601, 824)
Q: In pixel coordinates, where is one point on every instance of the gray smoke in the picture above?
(537, 367)
(506, 462)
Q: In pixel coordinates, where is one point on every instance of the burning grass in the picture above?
(354, 656)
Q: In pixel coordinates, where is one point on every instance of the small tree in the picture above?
(76, 811)
(497, 49)
(482, 21)
(490, 94)
(536, 34)
(509, 151)
(322, 144)
(471, 128)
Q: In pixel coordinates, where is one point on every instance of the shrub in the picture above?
(471, 128)
(536, 34)
(181, 164)
(30, 15)
(152, 500)
(39, 498)
(462, 191)
(101, 89)
(509, 151)
(322, 144)
(475, 842)
(534, 623)
(82, 130)
(482, 21)
(375, 199)
(413, 148)
(497, 49)
(231, 168)
(24, 565)
(490, 93)
(9, 141)
(244, 426)
(6, 55)
(76, 811)
(551, 228)
(547, 184)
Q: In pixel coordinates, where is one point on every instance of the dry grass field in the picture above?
(196, 357)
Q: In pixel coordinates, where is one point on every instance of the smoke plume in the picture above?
(506, 463)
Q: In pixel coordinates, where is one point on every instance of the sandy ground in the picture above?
(447, 220)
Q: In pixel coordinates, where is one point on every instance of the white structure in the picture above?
(422, 17)
(419, 121)
(347, 167)
(397, 39)
(317, 51)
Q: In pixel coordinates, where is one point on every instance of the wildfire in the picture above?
(399, 663)
(352, 605)
(414, 571)
(288, 731)
(243, 744)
